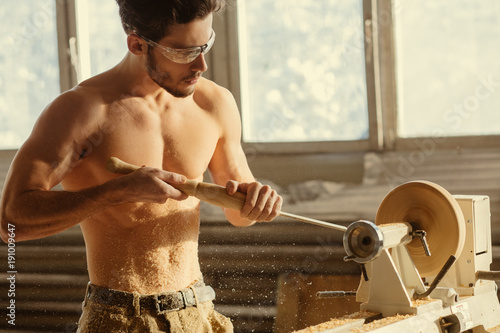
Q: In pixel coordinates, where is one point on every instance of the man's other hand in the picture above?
(262, 203)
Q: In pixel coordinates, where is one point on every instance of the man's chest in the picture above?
(182, 142)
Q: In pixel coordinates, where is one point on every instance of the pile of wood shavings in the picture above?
(337, 322)
(381, 323)
(327, 325)
(419, 302)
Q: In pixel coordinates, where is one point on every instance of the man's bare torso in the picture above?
(133, 242)
(144, 247)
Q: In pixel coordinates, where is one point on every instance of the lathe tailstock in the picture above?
(425, 264)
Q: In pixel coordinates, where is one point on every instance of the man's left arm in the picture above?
(229, 167)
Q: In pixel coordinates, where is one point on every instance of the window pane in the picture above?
(29, 66)
(107, 40)
(303, 70)
(448, 71)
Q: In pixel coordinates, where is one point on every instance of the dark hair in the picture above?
(154, 18)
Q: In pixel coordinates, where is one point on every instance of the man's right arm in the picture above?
(48, 156)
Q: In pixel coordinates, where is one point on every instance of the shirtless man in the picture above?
(141, 234)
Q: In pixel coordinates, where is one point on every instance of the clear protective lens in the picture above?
(185, 56)
(182, 56)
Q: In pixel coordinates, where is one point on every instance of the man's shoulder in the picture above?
(94, 92)
(75, 100)
(80, 106)
(209, 87)
(213, 97)
(220, 103)
(99, 88)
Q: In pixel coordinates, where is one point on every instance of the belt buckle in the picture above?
(162, 306)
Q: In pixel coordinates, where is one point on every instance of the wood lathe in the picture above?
(425, 261)
(426, 264)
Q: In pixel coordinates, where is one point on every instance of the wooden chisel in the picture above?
(213, 194)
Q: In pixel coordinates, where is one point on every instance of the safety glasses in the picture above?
(182, 56)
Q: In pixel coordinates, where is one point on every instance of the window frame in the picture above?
(387, 65)
(66, 31)
(381, 89)
(225, 70)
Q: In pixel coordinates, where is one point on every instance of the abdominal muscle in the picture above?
(144, 248)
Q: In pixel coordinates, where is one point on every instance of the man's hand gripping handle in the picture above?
(209, 193)
(214, 194)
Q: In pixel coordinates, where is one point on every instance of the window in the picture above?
(395, 71)
(303, 70)
(321, 76)
(448, 73)
(32, 71)
(29, 67)
(106, 39)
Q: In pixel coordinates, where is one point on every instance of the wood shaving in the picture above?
(420, 302)
(327, 325)
(381, 323)
(337, 322)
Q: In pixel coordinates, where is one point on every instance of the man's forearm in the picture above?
(39, 213)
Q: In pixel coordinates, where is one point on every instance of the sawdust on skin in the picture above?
(146, 255)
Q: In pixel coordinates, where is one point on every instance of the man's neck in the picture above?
(135, 79)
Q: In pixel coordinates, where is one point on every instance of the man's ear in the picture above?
(136, 45)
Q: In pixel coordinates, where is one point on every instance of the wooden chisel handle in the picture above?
(209, 193)
(213, 194)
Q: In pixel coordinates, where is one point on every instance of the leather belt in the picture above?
(160, 303)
